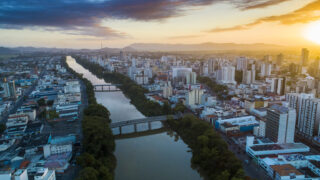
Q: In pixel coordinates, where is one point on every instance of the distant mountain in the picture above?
(202, 47)
(4, 50)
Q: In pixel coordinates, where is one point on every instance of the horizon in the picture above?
(85, 24)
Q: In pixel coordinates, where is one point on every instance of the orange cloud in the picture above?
(308, 13)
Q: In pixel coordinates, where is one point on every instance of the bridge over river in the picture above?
(106, 87)
(134, 122)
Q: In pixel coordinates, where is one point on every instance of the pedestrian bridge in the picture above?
(134, 122)
(106, 87)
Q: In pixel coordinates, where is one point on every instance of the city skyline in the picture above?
(88, 23)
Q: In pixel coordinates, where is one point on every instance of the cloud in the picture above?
(257, 4)
(185, 37)
(308, 13)
(84, 16)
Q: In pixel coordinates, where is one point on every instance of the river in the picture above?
(153, 157)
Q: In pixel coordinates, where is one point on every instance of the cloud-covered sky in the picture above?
(81, 23)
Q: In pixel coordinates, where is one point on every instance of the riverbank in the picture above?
(98, 160)
(129, 87)
(210, 153)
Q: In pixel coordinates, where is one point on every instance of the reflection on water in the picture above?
(153, 157)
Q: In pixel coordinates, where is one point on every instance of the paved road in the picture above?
(73, 171)
(19, 101)
(251, 169)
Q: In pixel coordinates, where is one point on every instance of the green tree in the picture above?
(238, 76)
(166, 109)
(52, 114)
(3, 127)
(179, 108)
(88, 173)
(41, 102)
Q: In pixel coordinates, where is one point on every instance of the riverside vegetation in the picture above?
(97, 161)
(210, 153)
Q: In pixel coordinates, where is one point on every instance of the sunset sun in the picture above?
(312, 32)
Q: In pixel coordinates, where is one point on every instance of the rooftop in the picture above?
(286, 170)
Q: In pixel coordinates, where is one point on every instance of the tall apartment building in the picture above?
(280, 58)
(167, 90)
(194, 97)
(266, 69)
(191, 78)
(210, 66)
(9, 89)
(277, 85)
(304, 56)
(280, 126)
(249, 76)
(242, 63)
(308, 113)
(226, 74)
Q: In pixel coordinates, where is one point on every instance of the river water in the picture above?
(153, 157)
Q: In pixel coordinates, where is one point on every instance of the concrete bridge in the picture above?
(134, 122)
(106, 87)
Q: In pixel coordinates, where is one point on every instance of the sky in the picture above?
(118, 23)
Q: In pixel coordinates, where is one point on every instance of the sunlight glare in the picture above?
(312, 32)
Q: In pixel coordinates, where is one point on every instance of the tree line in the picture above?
(210, 153)
(97, 161)
(130, 88)
(219, 89)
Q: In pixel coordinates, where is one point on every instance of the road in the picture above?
(19, 101)
(252, 169)
(73, 171)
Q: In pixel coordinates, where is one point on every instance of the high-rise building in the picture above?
(249, 76)
(253, 73)
(167, 90)
(308, 113)
(267, 58)
(266, 69)
(317, 67)
(246, 77)
(121, 56)
(226, 74)
(277, 85)
(279, 59)
(210, 66)
(194, 97)
(191, 78)
(9, 89)
(201, 68)
(304, 56)
(242, 64)
(280, 126)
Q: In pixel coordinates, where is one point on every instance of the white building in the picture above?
(280, 124)
(167, 90)
(308, 113)
(6, 175)
(72, 87)
(191, 78)
(21, 174)
(260, 130)
(45, 174)
(248, 76)
(262, 149)
(266, 69)
(194, 97)
(50, 149)
(180, 72)
(226, 75)
(242, 63)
